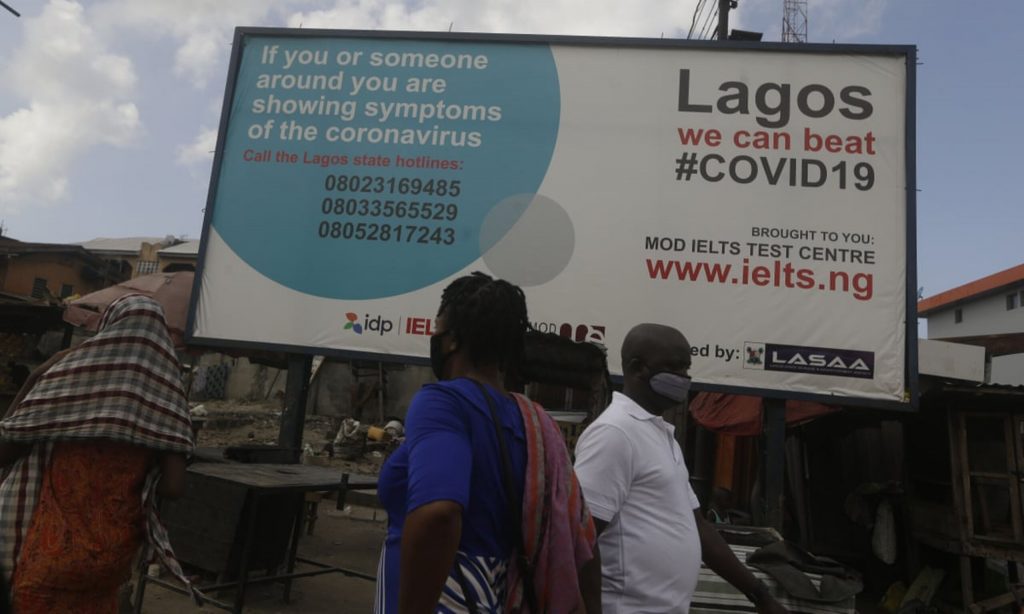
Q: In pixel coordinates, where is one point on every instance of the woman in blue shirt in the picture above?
(443, 489)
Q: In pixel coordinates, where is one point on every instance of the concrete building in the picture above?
(139, 254)
(180, 257)
(51, 271)
(988, 312)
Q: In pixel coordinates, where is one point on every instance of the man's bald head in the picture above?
(645, 340)
(647, 350)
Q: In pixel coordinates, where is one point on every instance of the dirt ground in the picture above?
(337, 540)
(350, 539)
(232, 423)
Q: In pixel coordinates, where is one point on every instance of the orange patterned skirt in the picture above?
(86, 530)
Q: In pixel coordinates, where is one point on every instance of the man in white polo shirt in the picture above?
(651, 533)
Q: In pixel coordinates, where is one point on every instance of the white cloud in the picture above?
(201, 28)
(196, 57)
(77, 95)
(201, 149)
(78, 90)
(649, 18)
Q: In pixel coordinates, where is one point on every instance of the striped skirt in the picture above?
(485, 580)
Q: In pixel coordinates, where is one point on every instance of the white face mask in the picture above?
(671, 386)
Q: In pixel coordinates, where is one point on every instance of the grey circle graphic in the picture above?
(527, 239)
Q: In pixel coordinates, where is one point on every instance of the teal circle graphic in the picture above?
(378, 192)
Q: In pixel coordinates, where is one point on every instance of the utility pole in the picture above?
(724, 6)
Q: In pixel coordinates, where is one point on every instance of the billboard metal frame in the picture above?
(909, 52)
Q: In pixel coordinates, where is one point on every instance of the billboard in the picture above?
(759, 197)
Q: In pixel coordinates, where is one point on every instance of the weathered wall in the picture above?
(56, 269)
(335, 391)
(247, 381)
(984, 316)
(1008, 370)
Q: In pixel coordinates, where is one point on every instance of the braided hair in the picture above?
(488, 317)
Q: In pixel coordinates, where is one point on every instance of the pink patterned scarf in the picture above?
(557, 528)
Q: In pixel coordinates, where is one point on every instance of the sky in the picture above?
(109, 109)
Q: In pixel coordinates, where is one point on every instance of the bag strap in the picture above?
(515, 504)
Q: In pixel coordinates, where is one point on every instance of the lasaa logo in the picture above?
(353, 323)
(820, 361)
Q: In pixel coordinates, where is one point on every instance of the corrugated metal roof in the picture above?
(1015, 389)
(974, 289)
(188, 248)
(122, 244)
(20, 247)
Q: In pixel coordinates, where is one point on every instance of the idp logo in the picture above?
(377, 324)
(353, 324)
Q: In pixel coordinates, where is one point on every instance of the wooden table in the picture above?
(260, 481)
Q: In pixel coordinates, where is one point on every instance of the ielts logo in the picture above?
(419, 326)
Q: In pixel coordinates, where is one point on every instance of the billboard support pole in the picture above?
(702, 477)
(774, 460)
(296, 393)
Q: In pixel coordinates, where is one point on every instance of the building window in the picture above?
(174, 267)
(146, 267)
(958, 316)
(39, 289)
(1011, 301)
(66, 290)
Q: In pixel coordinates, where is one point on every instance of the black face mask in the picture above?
(437, 356)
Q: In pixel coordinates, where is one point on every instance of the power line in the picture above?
(711, 21)
(700, 15)
(8, 7)
(696, 11)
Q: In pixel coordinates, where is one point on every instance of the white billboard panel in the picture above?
(757, 197)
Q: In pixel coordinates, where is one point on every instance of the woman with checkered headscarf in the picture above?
(85, 451)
